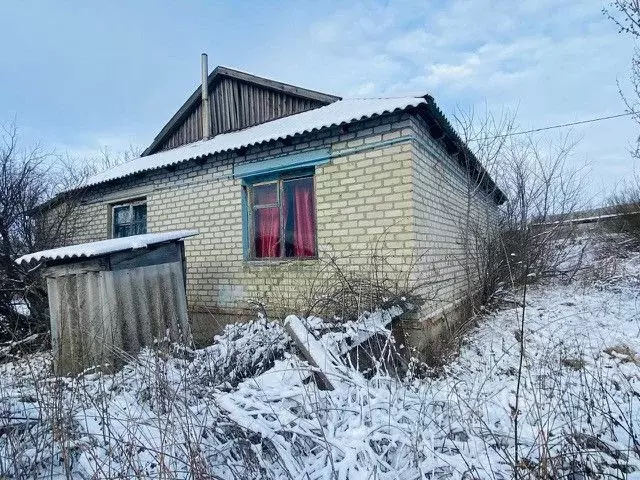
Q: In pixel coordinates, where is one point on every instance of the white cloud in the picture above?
(556, 61)
(441, 73)
(414, 42)
(364, 90)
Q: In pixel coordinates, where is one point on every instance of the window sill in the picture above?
(277, 261)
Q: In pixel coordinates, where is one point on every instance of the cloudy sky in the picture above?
(78, 76)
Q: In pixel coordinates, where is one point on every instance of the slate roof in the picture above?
(337, 113)
(104, 247)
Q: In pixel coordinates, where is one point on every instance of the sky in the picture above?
(81, 76)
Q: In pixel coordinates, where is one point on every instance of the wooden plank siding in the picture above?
(236, 104)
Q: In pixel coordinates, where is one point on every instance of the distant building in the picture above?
(614, 217)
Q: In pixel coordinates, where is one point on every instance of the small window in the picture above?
(129, 219)
(282, 219)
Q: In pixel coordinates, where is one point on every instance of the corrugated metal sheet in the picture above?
(99, 315)
(338, 113)
(236, 105)
(150, 303)
(93, 249)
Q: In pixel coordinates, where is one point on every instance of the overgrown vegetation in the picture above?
(26, 181)
(623, 215)
(247, 406)
(543, 186)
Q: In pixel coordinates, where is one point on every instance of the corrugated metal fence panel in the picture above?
(98, 316)
(151, 303)
(83, 330)
(236, 105)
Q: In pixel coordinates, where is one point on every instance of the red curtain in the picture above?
(299, 220)
(267, 232)
(300, 228)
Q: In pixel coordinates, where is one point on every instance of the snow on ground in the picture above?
(243, 408)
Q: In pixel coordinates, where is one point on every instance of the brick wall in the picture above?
(452, 215)
(387, 188)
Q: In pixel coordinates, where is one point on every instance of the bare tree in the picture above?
(544, 188)
(487, 136)
(73, 170)
(527, 239)
(35, 213)
(23, 186)
(624, 206)
(625, 14)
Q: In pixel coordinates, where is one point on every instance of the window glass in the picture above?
(129, 219)
(267, 232)
(138, 228)
(266, 194)
(140, 213)
(282, 219)
(121, 231)
(122, 214)
(299, 218)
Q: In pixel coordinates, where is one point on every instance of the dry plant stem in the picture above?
(519, 380)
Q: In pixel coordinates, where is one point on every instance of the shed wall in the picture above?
(97, 314)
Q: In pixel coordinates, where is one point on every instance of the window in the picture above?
(282, 218)
(129, 219)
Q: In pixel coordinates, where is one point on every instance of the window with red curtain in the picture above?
(283, 223)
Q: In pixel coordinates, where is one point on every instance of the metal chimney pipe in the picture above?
(206, 112)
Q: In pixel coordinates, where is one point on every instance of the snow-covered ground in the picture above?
(244, 408)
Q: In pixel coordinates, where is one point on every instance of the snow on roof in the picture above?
(103, 247)
(337, 113)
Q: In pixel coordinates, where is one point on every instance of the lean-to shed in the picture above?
(114, 296)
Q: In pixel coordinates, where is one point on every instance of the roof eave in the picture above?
(485, 179)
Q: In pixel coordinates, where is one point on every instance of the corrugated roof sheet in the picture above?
(103, 247)
(337, 113)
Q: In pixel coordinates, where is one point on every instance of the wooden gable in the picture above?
(237, 100)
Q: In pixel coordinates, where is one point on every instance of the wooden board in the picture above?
(313, 352)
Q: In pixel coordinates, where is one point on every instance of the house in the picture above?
(288, 179)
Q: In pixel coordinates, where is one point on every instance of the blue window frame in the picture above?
(279, 216)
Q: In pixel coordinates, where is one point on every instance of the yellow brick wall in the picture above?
(363, 202)
(452, 216)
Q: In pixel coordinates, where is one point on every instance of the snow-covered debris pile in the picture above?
(243, 350)
(161, 413)
(356, 333)
(246, 408)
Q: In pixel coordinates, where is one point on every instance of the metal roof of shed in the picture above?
(104, 247)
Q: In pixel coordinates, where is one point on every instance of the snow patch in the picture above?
(245, 408)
